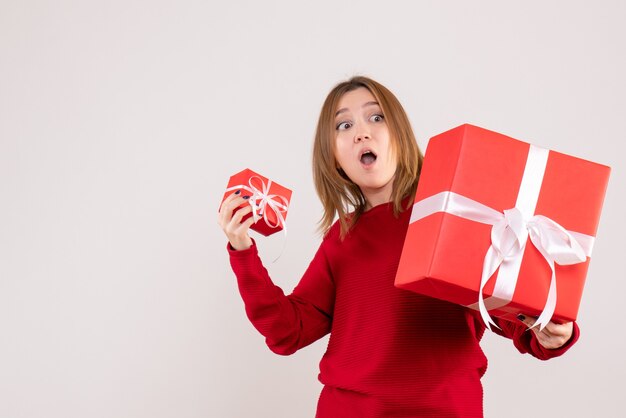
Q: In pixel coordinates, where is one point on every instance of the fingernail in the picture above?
(521, 317)
(246, 197)
(238, 191)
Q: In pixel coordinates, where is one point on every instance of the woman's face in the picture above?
(363, 146)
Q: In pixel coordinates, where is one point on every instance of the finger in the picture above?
(230, 197)
(239, 215)
(236, 230)
(551, 342)
(545, 340)
(223, 213)
(228, 201)
(547, 329)
(553, 329)
(228, 206)
(529, 321)
(560, 330)
(238, 234)
(231, 224)
(245, 225)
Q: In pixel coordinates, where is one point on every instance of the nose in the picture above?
(361, 135)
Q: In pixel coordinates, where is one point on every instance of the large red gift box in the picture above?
(269, 200)
(504, 216)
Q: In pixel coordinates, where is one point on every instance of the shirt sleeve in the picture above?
(526, 341)
(291, 322)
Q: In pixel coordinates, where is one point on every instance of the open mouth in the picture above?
(368, 157)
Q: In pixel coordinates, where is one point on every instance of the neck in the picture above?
(377, 198)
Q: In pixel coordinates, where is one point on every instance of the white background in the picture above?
(121, 122)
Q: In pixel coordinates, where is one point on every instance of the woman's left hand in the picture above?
(553, 335)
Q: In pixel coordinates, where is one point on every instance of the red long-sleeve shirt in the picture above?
(391, 352)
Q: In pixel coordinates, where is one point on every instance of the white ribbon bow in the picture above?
(509, 235)
(262, 202)
(508, 241)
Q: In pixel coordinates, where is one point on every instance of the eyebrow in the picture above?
(345, 109)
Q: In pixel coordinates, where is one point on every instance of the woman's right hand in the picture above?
(235, 230)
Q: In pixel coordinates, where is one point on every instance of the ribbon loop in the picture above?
(509, 234)
(262, 202)
(561, 246)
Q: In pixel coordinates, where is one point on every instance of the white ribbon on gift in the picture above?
(262, 202)
(509, 234)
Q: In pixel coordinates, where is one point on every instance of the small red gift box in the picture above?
(269, 200)
(502, 226)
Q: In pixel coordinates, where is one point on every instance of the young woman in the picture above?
(391, 352)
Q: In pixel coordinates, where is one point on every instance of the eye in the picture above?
(343, 126)
(377, 118)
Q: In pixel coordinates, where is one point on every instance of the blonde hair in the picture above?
(339, 195)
